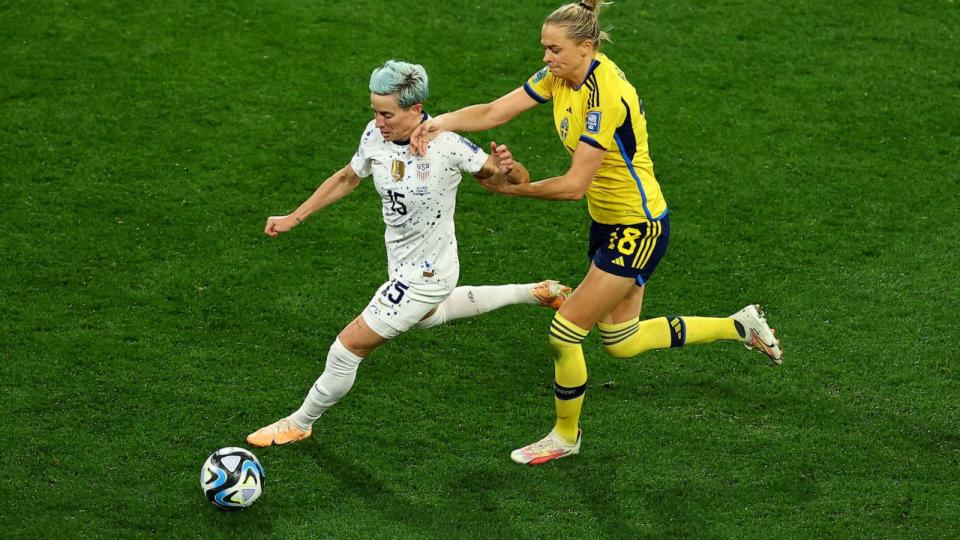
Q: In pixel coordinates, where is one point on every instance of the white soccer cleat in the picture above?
(550, 293)
(759, 335)
(546, 449)
(283, 431)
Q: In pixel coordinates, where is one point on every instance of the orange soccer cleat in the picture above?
(283, 431)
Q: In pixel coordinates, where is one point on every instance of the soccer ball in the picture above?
(232, 478)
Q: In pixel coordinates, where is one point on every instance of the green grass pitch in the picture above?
(810, 154)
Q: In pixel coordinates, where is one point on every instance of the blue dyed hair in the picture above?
(407, 81)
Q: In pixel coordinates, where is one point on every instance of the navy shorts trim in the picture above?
(629, 250)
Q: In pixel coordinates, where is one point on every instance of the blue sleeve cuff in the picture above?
(530, 92)
(592, 142)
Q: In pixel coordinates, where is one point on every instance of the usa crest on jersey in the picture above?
(423, 170)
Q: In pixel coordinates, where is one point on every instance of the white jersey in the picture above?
(419, 196)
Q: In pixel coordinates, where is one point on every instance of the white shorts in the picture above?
(394, 310)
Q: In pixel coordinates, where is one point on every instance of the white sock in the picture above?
(471, 301)
(336, 380)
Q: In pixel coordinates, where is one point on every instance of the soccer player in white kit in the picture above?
(418, 197)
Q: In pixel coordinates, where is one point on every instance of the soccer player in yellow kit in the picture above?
(602, 123)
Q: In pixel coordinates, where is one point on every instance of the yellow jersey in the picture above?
(604, 111)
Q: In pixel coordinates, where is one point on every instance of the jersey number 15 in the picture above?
(395, 204)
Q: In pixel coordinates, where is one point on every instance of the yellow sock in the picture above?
(570, 375)
(630, 338)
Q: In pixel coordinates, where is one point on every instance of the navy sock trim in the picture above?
(561, 332)
(678, 331)
(612, 338)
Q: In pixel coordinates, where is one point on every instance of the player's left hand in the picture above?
(424, 133)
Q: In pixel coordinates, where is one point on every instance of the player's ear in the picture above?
(586, 47)
(417, 108)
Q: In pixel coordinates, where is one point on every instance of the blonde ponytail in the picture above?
(581, 21)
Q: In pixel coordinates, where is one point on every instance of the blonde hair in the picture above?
(581, 20)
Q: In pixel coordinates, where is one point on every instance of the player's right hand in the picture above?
(502, 157)
(424, 133)
(279, 224)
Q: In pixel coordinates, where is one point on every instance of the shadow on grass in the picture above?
(467, 507)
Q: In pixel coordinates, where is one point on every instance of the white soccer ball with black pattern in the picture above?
(232, 478)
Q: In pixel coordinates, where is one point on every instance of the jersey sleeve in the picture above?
(605, 113)
(540, 86)
(467, 156)
(361, 161)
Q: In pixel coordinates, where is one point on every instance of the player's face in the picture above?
(564, 57)
(394, 122)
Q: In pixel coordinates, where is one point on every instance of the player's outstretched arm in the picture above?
(472, 118)
(338, 186)
(571, 186)
(501, 168)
